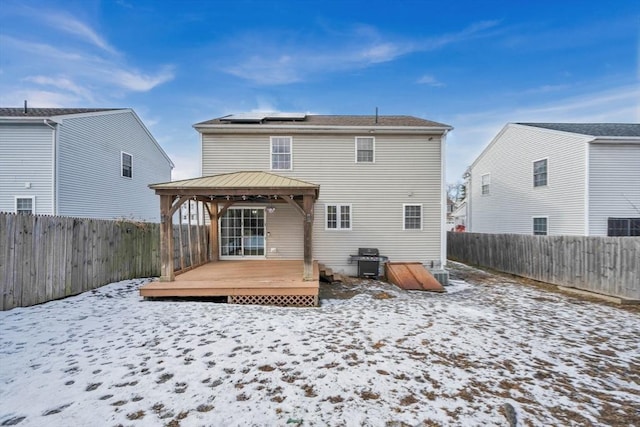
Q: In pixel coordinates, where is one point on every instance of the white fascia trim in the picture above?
(616, 140)
(260, 128)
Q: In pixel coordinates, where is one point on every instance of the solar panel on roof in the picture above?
(244, 117)
(286, 116)
(259, 117)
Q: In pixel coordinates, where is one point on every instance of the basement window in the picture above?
(25, 205)
(623, 227)
(540, 226)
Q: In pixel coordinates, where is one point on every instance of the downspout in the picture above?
(54, 165)
(443, 201)
(467, 176)
(587, 231)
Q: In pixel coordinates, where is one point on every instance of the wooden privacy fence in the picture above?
(606, 265)
(43, 258)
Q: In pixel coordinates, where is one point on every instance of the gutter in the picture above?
(54, 164)
(324, 129)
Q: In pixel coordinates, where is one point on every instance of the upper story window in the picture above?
(25, 205)
(486, 183)
(412, 217)
(540, 173)
(127, 164)
(365, 149)
(540, 226)
(623, 227)
(338, 217)
(281, 153)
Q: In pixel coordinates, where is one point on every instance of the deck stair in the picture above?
(328, 275)
(412, 276)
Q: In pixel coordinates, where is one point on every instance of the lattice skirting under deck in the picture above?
(279, 300)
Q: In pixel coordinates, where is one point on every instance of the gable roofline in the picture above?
(585, 138)
(58, 115)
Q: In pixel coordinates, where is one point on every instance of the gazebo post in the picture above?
(166, 239)
(213, 232)
(307, 203)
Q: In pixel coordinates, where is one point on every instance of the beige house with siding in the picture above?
(380, 180)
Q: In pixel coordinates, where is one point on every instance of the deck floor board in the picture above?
(231, 278)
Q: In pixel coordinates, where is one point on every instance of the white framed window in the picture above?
(281, 153)
(540, 225)
(540, 173)
(365, 149)
(412, 217)
(126, 164)
(338, 217)
(26, 204)
(486, 183)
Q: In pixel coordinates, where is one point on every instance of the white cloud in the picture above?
(61, 83)
(430, 80)
(139, 82)
(39, 98)
(71, 25)
(280, 63)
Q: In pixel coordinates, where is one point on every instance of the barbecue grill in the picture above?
(369, 260)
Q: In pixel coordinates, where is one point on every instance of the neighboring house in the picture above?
(459, 216)
(557, 179)
(381, 185)
(80, 162)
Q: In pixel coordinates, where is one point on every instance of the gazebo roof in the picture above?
(236, 183)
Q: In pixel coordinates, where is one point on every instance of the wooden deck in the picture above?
(268, 282)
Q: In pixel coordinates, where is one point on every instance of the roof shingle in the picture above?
(336, 120)
(49, 112)
(593, 129)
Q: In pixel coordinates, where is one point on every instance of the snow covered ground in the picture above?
(480, 354)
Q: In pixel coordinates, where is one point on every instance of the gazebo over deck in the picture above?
(218, 193)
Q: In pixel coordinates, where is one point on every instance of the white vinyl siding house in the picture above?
(614, 184)
(559, 172)
(26, 166)
(358, 206)
(77, 165)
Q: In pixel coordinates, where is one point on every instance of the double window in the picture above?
(281, 158)
(540, 173)
(365, 149)
(126, 162)
(412, 217)
(486, 183)
(623, 227)
(338, 217)
(25, 205)
(540, 226)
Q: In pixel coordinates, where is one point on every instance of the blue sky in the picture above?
(475, 65)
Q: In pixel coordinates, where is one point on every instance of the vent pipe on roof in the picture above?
(25, 106)
(376, 115)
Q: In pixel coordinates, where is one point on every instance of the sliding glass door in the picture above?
(242, 233)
